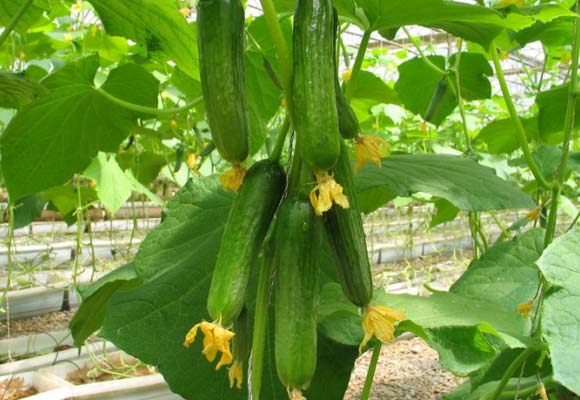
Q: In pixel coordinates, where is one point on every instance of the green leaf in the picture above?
(27, 209)
(552, 109)
(500, 137)
(446, 212)
(554, 33)
(112, 185)
(506, 274)
(65, 198)
(9, 8)
(176, 261)
(57, 135)
(338, 318)
(466, 333)
(474, 23)
(370, 91)
(111, 49)
(464, 183)
(96, 296)
(17, 90)
(418, 82)
(560, 319)
(157, 25)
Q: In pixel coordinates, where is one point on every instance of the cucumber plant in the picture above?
(276, 273)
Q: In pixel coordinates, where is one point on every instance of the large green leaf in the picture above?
(157, 25)
(560, 265)
(552, 109)
(371, 90)
(500, 137)
(418, 82)
(96, 296)
(56, 136)
(506, 274)
(9, 8)
(27, 209)
(464, 183)
(554, 33)
(112, 185)
(176, 261)
(474, 23)
(17, 90)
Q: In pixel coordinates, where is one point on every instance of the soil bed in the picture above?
(407, 370)
(14, 389)
(51, 322)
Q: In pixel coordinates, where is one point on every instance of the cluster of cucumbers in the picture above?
(320, 115)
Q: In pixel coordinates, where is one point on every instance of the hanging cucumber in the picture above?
(220, 32)
(436, 99)
(298, 240)
(248, 221)
(344, 228)
(348, 124)
(316, 120)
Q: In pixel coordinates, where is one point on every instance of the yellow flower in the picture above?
(541, 392)
(565, 57)
(346, 75)
(233, 179)
(505, 3)
(217, 338)
(184, 11)
(379, 321)
(533, 215)
(295, 394)
(525, 308)
(505, 55)
(284, 103)
(236, 374)
(192, 161)
(78, 6)
(369, 148)
(325, 193)
(68, 37)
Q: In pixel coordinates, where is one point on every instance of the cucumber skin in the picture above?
(246, 227)
(298, 242)
(315, 117)
(220, 31)
(344, 228)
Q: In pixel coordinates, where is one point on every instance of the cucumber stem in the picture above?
(510, 371)
(148, 110)
(14, 21)
(568, 129)
(360, 56)
(280, 140)
(371, 372)
(519, 128)
(422, 54)
(261, 320)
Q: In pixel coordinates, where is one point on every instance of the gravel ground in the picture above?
(55, 321)
(408, 370)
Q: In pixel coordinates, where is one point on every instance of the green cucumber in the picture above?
(246, 227)
(344, 228)
(298, 240)
(315, 117)
(348, 124)
(436, 100)
(220, 33)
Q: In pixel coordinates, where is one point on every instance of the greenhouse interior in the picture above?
(289, 199)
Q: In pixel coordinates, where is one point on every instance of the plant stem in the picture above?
(526, 391)
(371, 372)
(148, 110)
(460, 100)
(280, 140)
(510, 371)
(568, 129)
(519, 128)
(261, 320)
(422, 54)
(279, 42)
(14, 21)
(360, 56)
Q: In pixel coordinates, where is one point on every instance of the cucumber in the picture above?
(344, 228)
(220, 32)
(315, 117)
(436, 100)
(298, 240)
(348, 124)
(247, 223)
